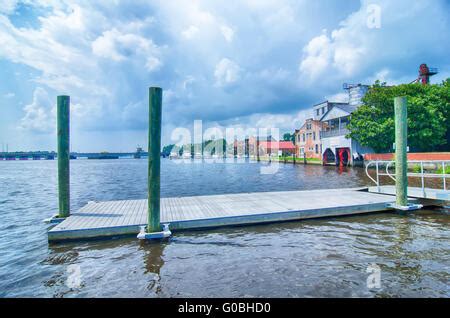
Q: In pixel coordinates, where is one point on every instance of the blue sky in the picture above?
(249, 63)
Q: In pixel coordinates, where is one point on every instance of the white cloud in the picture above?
(283, 122)
(216, 60)
(190, 32)
(105, 46)
(317, 55)
(227, 33)
(8, 6)
(226, 72)
(338, 97)
(9, 95)
(39, 116)
(355, 50)
(153, 64)
(119, 46)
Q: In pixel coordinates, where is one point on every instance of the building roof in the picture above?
(346, 108)
(321, 103)
(307, 121)
(329, 103)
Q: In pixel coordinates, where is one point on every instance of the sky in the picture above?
(244, 64)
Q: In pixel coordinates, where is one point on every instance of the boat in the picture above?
(138, 153)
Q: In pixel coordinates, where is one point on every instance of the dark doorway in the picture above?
(328, 156)
(342, 157)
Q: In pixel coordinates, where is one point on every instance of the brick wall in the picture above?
(411, 156)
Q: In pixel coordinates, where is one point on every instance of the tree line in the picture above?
(372, 124)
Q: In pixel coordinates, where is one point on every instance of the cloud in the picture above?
(317, 56)
(190, 32)
(254, 61)
(9, 95)
(227, 72)
(119, 46)
(267, 121)
(8, 6)
(40, 115)
(338, 97)
(360, 49)
(227, 33)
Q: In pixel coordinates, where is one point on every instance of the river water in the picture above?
(334, 257)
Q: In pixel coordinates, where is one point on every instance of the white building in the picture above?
(320, 109)
(336, 148)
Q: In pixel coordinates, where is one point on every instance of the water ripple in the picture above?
(311, 258)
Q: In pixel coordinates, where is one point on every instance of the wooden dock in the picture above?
(108, 219)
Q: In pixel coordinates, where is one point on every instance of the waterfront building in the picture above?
(267, 146)
(307, 139)
(250, 145)
(337, 148)
(320, 109)
(276, 148)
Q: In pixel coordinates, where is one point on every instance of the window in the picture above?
(323, 110)
(317, 111)
(308, 126)
(317, 148)
(304, 137)
(314, 135)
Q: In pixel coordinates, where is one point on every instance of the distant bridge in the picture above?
(50, 155)
(111, 154)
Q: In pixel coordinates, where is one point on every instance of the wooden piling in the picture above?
(257, 149)
(154, 159)
(63, 131)
(401, 165)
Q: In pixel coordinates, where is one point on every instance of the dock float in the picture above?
(115, 218)
(415, 192)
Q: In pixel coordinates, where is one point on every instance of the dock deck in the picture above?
(414, 192)
(113, 218)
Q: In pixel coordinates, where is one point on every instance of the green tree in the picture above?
(372, 124)
(167, 150)
(288, 137)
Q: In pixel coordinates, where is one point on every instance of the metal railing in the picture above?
(422, 174)
(334, 133)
